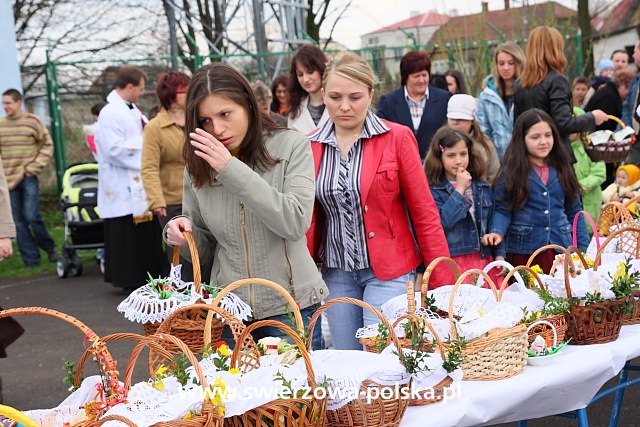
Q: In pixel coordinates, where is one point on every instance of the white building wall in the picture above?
(10, 70)
(602, 48)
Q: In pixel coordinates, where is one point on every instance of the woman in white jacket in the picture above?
(305, 81)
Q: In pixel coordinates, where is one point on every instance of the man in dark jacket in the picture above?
(417, 104)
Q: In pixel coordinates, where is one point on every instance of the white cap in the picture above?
(461, 107)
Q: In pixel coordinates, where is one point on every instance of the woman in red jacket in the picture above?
(370, 189)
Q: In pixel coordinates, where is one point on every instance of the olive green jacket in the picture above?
(253, 223)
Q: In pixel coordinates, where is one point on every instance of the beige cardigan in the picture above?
(162, 161)
(7, 227)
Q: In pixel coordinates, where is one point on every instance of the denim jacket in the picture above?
(546, 218)
(462, 232)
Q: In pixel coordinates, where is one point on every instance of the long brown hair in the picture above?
(516, 167)
(544, 52)
(223, 80)
(311, 58)
(447, 137)
(512, 49)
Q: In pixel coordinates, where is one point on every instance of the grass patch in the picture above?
(14, 267)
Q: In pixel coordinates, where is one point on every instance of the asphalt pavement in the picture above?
(33, 371)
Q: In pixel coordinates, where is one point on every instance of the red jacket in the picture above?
(393, 188)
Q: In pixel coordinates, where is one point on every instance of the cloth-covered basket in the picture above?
(387, 409)
(611, 151)
(535, 328)
(188, 326)
(308, 411)
(112, 391)
(596, 323)
(632, 234)
(498, 355)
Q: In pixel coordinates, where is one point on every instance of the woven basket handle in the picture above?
(120, 418)
(159, 339)
(454, 331)
(515, 269)
(589, 218)
(311, 378)
(632, 200)
(610, 238)
(545, 322)
(617, 120)
(195, 259)
(422, 321)
(89, 335)
(262, 282)
(432, 265)
(346, 300)
(77, 380)
(411, 297)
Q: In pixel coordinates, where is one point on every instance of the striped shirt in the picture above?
(416, 108)
(338, 191)
(25, 145)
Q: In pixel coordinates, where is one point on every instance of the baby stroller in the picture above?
(83, 227)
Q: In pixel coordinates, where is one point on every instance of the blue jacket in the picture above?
(494, 119)
(393, 107)
(628, 105)
(462, 232)
(546, 218)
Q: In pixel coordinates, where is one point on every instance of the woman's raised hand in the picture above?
(175, 227)
(210, 149)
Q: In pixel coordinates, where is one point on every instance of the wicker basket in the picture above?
(610, 152)
(559, 321)
(385, 410)
(189, 325)
(294, 411)
(498, 355)
(208, 416)
(113, 393)
(595, 323)
(629, 239)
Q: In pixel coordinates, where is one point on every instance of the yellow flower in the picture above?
(216, 393)
(161, 370)
(188, 416)
(223, 350)
(621, 271)
(234, 371)
(158, 385)
(537, 269)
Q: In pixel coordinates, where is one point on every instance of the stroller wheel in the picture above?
(102, 266)
(75, 268)
(63, 266)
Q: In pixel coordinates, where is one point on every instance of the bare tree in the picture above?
(80, 30)
(318, 14)
(584, 22)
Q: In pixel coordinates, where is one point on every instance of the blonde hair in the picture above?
(352, 67)
(516, 53)
(544, 51)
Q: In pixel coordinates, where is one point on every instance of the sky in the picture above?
(364, 16)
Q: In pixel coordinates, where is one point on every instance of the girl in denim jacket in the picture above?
(537, 194)
(464, 201)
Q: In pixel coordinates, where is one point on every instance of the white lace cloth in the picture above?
(69, 411)
(345, 370)
(432, 371)
(144, 306)
(475, 324)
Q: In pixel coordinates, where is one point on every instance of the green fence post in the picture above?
(53, 96)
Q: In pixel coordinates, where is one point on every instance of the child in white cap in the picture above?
(461, 115)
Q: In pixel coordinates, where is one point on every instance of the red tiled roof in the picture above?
(429, 19)
(625, 14)
(515, 23)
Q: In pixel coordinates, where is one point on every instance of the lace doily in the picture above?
(475, 324)
(144, 306)
(468, 297)
(432, 371)
(588, 281)
(345, 370)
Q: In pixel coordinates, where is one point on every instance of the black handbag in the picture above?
(10, 330)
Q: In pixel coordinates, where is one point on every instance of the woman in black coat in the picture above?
(543, 85)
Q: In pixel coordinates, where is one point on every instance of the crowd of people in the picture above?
(308, 184)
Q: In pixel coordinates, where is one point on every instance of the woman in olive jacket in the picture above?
(543, 85)
(248, 196)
